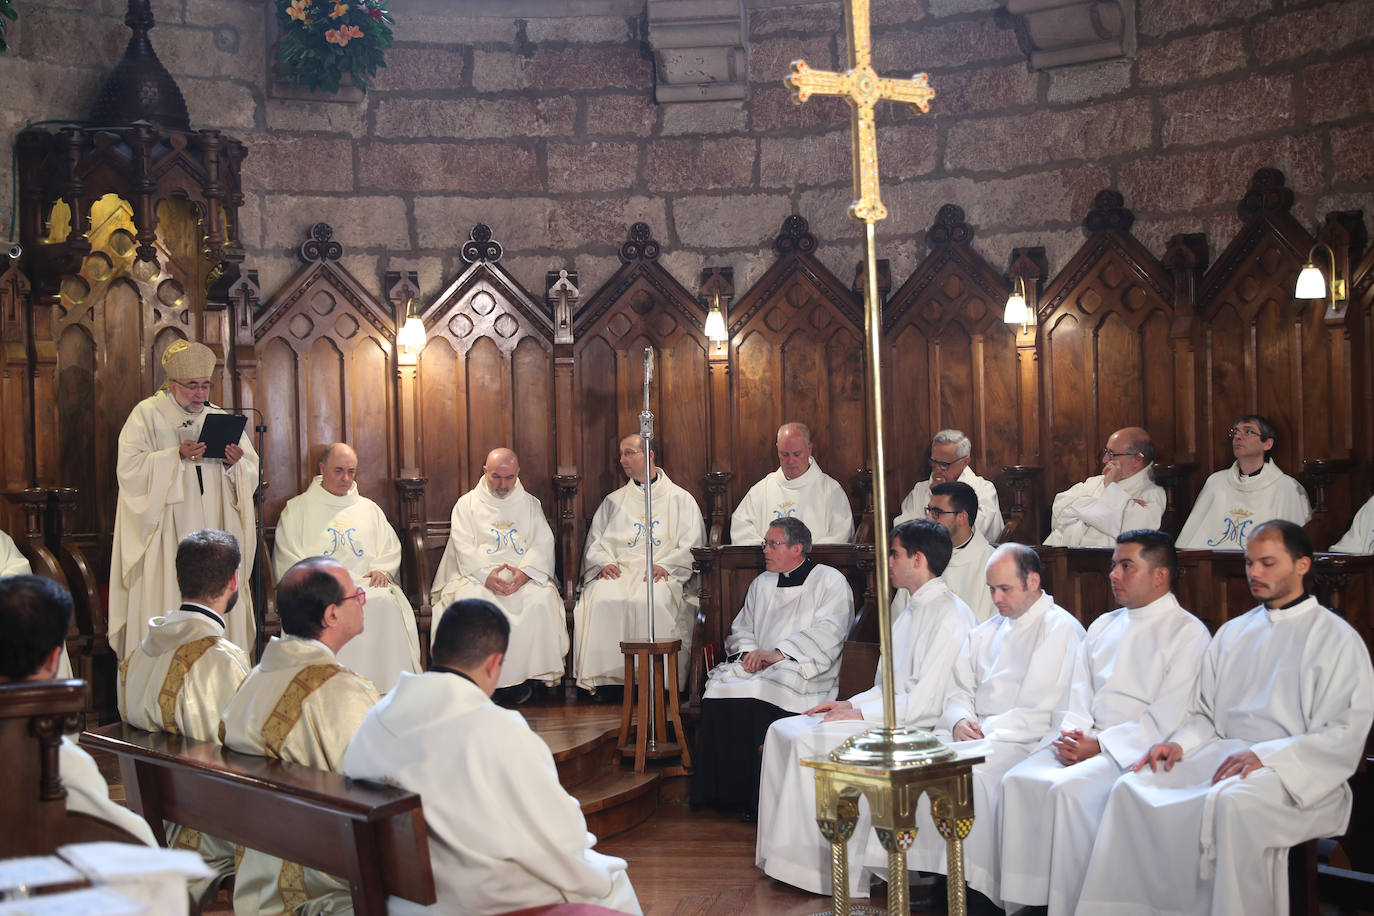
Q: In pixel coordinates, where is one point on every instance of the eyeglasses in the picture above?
(1244, 432)
(776, 544)
(944, 465)
(936, 513)
(203, 387)
(359, 596)
(1109, 455)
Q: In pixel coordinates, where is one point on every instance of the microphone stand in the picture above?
(259, 587)
(646, 433)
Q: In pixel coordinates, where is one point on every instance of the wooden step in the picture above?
(581, 738)
(617, 799)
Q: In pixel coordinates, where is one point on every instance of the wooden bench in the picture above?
(373, 836)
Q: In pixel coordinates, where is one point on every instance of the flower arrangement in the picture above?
(321, 40)
(7, 12)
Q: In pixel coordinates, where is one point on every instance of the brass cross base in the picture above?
(892, 792)
(656, 676)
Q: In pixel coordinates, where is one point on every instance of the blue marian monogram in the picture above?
(341, 539)
(506, 537)
(639, 529)
(1234, 533)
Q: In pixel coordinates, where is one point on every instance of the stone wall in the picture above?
(545, 128)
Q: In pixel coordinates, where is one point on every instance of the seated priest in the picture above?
(613, 604)
(12, 562)
(1012, 675)
(1124, 497)
(300, 705)
(954, 505)
(500, 548)
(782, 658)
(1135, 676)
(950, 453)
(167, 489)
(1276, 727)
(503, 833)
(1360, 537)
(1250, 491)
(797, 489)
(927, 634)
(35, 614)
(185, 672)
(330, 519)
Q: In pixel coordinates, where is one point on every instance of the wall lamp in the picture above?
(412, 333)
(715, 323)
(1017, 311)
(1311, 283)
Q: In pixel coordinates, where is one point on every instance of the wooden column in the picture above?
(718, 287)
(563, 297)
(1030, 266)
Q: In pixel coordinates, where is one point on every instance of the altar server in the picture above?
(797, 489)
(954, 505)
(1124, 497)
(950, 460)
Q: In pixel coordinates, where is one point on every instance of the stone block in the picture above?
(361, 222)
(960, 92)
(808, 19)
(770, 61)
(582, 29)
(679, 165)
(41, 91)
(1192, 57)
(418, 69)
(250, 220)
(1339, 89)
(704, 118)
(592, 166)
(907, 150)
(729, 221)
(1154, 233)
(494, 71)
(1352, 152)
(1087, 82)
(632, 115)
(282, 162)
(1320, 30)
(817, 159)
(430, 28)
(476, 118)
(1060, 245)
(1196, 182)
(624, 67)
(461, 167)
(1166, 17)
(827, 212)
(1091, 132)
(956, 43)
(883, 13)
(443, 223)
(187, 51)
(47, 34)
(227, 104)
(600, 224)
(1225, 111)
(348, 118)
(953, 7)
(593, 271)
(772, 109)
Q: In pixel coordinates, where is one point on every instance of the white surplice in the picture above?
(1360, 537)
(926, 637)
(160, 502)
(354, 531)
(299, 705)
(967, 576)
(87, 792)
(1092, 514)
(1011, 677)
(613, 610)
(807, 623)
(1232, 503)
(1295, 687)
(813, 496)
(486, 531)
(503, 833)
(1134, 679)
(988, 520)
(12, 562)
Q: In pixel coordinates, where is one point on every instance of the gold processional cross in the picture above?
(890, 766)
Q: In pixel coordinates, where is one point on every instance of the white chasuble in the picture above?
(87, 792)
(299, 705)
(926, 637)
(1232, 503)
(988, 521)
(807, 623)
(1360, 537)
(1093, 513)
(12, 562)
(1294, 686)
(1136, 672)
(162, 499)
(813, 496)
(503, 833)
(486, 532)
(611, 610)
(967, 576)
(355, 532)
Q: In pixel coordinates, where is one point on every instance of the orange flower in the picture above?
(300, 9)
(340, 9)
(343, 35)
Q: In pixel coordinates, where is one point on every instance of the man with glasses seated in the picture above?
(954, 506)
(167, 489)
(1123, 497)
(1250, 491)
(950, 460)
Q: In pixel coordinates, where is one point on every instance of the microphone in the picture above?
(261, 425)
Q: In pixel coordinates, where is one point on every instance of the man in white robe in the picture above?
(927, 633)
(950, 456)
(1251, 491)
(782, 656)
(1124, 497)
(500, 548)
(300, 705)
(954, 504)
(167, 489)
(1276, 726)
(503, 833)
(797, 489)
(1135, 675)
(330, 519)
(611, 608)
(35, 615)
(1013, 673)
(12, 562)
(1360, 537)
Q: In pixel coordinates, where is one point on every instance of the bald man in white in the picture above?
(797, 489)
(1124, 497)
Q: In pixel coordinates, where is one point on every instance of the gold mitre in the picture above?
(188, 359)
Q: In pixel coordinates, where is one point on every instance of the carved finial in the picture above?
(1109, 212)
(949, 227)
(562, 293)
(320, 245)
(480, 247)
(139, 88)
(1186, 251)
(1266, 194)
(639, 245)
(795, 236)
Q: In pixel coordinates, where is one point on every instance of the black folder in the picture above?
(221, 429)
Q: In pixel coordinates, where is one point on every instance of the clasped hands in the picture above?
(191, 450)
(1241, 763)
(504, 586)
(612, 571)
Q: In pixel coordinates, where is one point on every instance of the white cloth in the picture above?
(87, 792)
(1296, 688)
(486, 531)
(12, 562)
(160, 502)
(354, 531)
(926, 636)
(610, 611)
(503, 834)
(807, 623)
(967, 576)
(1231, 504)
(1360, 537)
(988, 520)
(813, 496)
(1131, 688)
(1011, 677)
(1092, 514)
